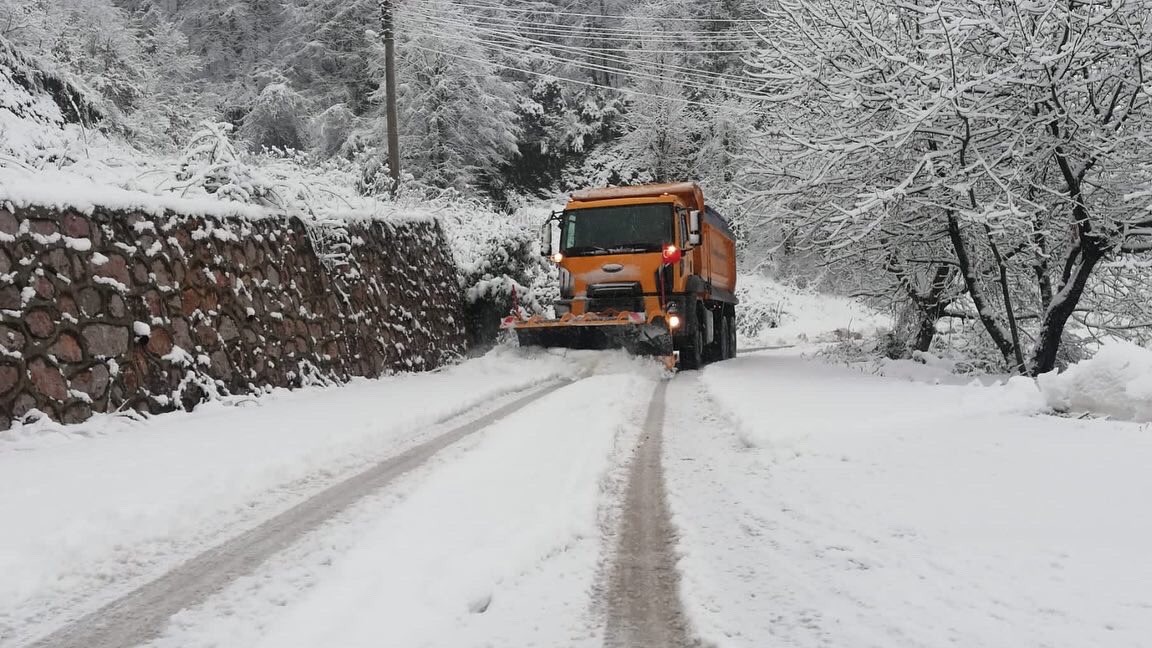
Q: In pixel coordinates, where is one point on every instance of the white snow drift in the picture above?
(1116, 382)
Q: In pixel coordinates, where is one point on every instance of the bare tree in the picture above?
(1016, 132)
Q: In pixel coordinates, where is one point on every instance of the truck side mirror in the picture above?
(546, 238)
(694, 227)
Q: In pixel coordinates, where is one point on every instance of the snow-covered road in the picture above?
(810, 506)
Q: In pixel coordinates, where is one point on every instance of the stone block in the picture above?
(116, 267)
(154, 303)
(76, 413)
(9, 378)
(90, 302)
(159, 342)
(10, 298)
(43, 227)
(47, 380)
(107, 340)
(228, 329)
(116, 306)
(44, 288)
(9, 224)
(40, 323)
(75, 226)
(23, 404)
(181, 335)
(93, 381)
(66, 348)
(11, 338)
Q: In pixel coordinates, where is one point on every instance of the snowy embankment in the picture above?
(827, 507)
(89, 510)
(773, 313)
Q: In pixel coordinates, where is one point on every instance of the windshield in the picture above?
(615, 230)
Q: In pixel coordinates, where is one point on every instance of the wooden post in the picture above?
(388, 23)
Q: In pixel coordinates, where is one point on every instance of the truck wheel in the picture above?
(723, 336)
(692, 355)
(730, 320)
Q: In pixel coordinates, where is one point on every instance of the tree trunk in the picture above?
(926, 332)
(976, 291)
(1060, 310)
(1006, 293)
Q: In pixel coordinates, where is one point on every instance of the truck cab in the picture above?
(648, 268)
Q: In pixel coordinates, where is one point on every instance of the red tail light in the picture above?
(671, 254)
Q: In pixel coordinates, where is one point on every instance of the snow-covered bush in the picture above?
(511, 274)
(331, 129)
(276, 120)
(1116, 382)
(212, 163)
(500, 265)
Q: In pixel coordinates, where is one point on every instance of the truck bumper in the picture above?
(627, 331)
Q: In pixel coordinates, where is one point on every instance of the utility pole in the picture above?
(388, 23)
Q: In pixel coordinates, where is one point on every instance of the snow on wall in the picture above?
(104, 310)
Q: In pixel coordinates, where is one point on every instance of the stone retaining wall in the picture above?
(119, 310)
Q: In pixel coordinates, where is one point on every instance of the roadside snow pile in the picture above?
(1116, 382)
(772, 313)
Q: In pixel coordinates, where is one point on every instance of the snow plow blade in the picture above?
(628, 331)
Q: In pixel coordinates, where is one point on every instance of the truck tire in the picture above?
(723, 335)
(713, 350)
(730, 322)
(692, 354)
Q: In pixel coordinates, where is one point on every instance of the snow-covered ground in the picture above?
(819, 506)
(775, 313)
(816, 505)
(109, 502)
(495, 544)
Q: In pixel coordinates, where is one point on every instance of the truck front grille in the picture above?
(619, 297)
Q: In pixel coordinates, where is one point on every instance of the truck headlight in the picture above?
(673, 322)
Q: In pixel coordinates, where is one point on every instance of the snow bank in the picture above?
(1116, 382)
(61, 190)
(773, 313)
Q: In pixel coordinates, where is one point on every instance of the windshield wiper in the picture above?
(643, 247)
(586, 249)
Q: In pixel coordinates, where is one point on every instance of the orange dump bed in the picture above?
(688, 192)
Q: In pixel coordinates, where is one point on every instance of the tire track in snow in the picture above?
(142, 614)
(644, 609)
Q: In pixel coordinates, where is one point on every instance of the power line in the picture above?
(590, 66)
(682, 71)
(604, 32)
(586, 33)
(589, 84)
(504, 33)
(553, 12)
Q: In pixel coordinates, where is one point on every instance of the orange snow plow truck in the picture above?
(651, 269)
